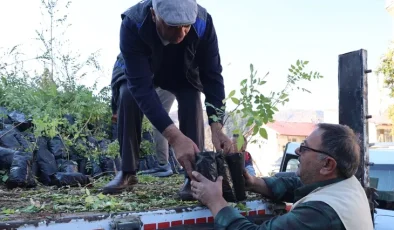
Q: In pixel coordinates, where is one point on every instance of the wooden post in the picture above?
(353, 103)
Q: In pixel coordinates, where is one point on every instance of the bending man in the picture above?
(173, 45)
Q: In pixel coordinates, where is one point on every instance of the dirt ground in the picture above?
(50, 202)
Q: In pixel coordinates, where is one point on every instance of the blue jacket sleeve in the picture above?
(210, 70)
(140, 76)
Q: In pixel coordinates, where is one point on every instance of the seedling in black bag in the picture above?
(212, 165)
(236, 164)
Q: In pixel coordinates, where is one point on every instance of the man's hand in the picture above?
(209, 193)
(257, 185)
(114, 118)
(219, 140)
(250, 181)
(185, 149)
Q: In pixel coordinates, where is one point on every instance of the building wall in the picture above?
(372, 133)
(284, 139)
(264, 152)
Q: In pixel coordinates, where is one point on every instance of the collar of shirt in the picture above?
(306, 189)
(165, 42)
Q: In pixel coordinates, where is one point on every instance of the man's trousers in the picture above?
(129, 121)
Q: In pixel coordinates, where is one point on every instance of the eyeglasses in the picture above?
(304, 148)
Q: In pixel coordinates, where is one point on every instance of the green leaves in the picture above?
(263, 133)
(232, 93)
(235, 100)
(254, 109)
(386, 68)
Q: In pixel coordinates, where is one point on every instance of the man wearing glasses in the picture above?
(325, 192)
(171, 44)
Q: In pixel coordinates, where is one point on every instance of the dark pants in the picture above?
(190, 116)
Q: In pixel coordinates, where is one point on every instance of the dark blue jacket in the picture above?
(142, 54)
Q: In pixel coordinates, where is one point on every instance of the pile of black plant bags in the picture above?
(28, 160)
(230, 166)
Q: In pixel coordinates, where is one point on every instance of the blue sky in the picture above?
(270, 34)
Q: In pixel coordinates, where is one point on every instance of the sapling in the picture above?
(254, 109)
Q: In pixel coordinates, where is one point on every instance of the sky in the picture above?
(270, 34)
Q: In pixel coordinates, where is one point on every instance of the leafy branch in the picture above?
(254, 109)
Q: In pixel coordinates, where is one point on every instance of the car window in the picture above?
(292, 165)
(382, 178)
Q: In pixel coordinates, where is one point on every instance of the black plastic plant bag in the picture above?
(4, 119)
(70, 119)
(206, 165)
(8, 139)
(142, 164)
(67, 166)
(236, 164)
(83, 166)
(57, 148)
(21, 122)
(46, 162)
(24, 141)
(107, 165)
(227, 183)
(212, 165)
(92, 142)
(95, 169)
(103, 145)
(6, 157)
(70, 179)
(21, 173)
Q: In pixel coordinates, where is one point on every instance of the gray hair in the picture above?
(343, 144)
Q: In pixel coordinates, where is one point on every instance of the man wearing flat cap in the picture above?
(172, 44)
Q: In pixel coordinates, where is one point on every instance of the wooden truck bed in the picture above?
(47, 204)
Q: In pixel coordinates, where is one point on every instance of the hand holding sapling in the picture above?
(185, 149)
(219, 139)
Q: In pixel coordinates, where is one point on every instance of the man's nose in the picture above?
(297, 151)
(182, 31)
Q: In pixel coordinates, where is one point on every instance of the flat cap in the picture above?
(176, 12)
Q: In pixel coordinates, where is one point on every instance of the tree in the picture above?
(386, 68)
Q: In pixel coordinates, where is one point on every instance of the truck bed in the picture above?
(46, 202)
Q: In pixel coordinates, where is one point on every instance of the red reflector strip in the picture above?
(176, 223)
(163, 225)
(169, 218)
(252, 213)
(201, 220)
(189, 221)
(150, 227)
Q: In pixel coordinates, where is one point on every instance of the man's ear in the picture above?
(329, 167)
(152, 11)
